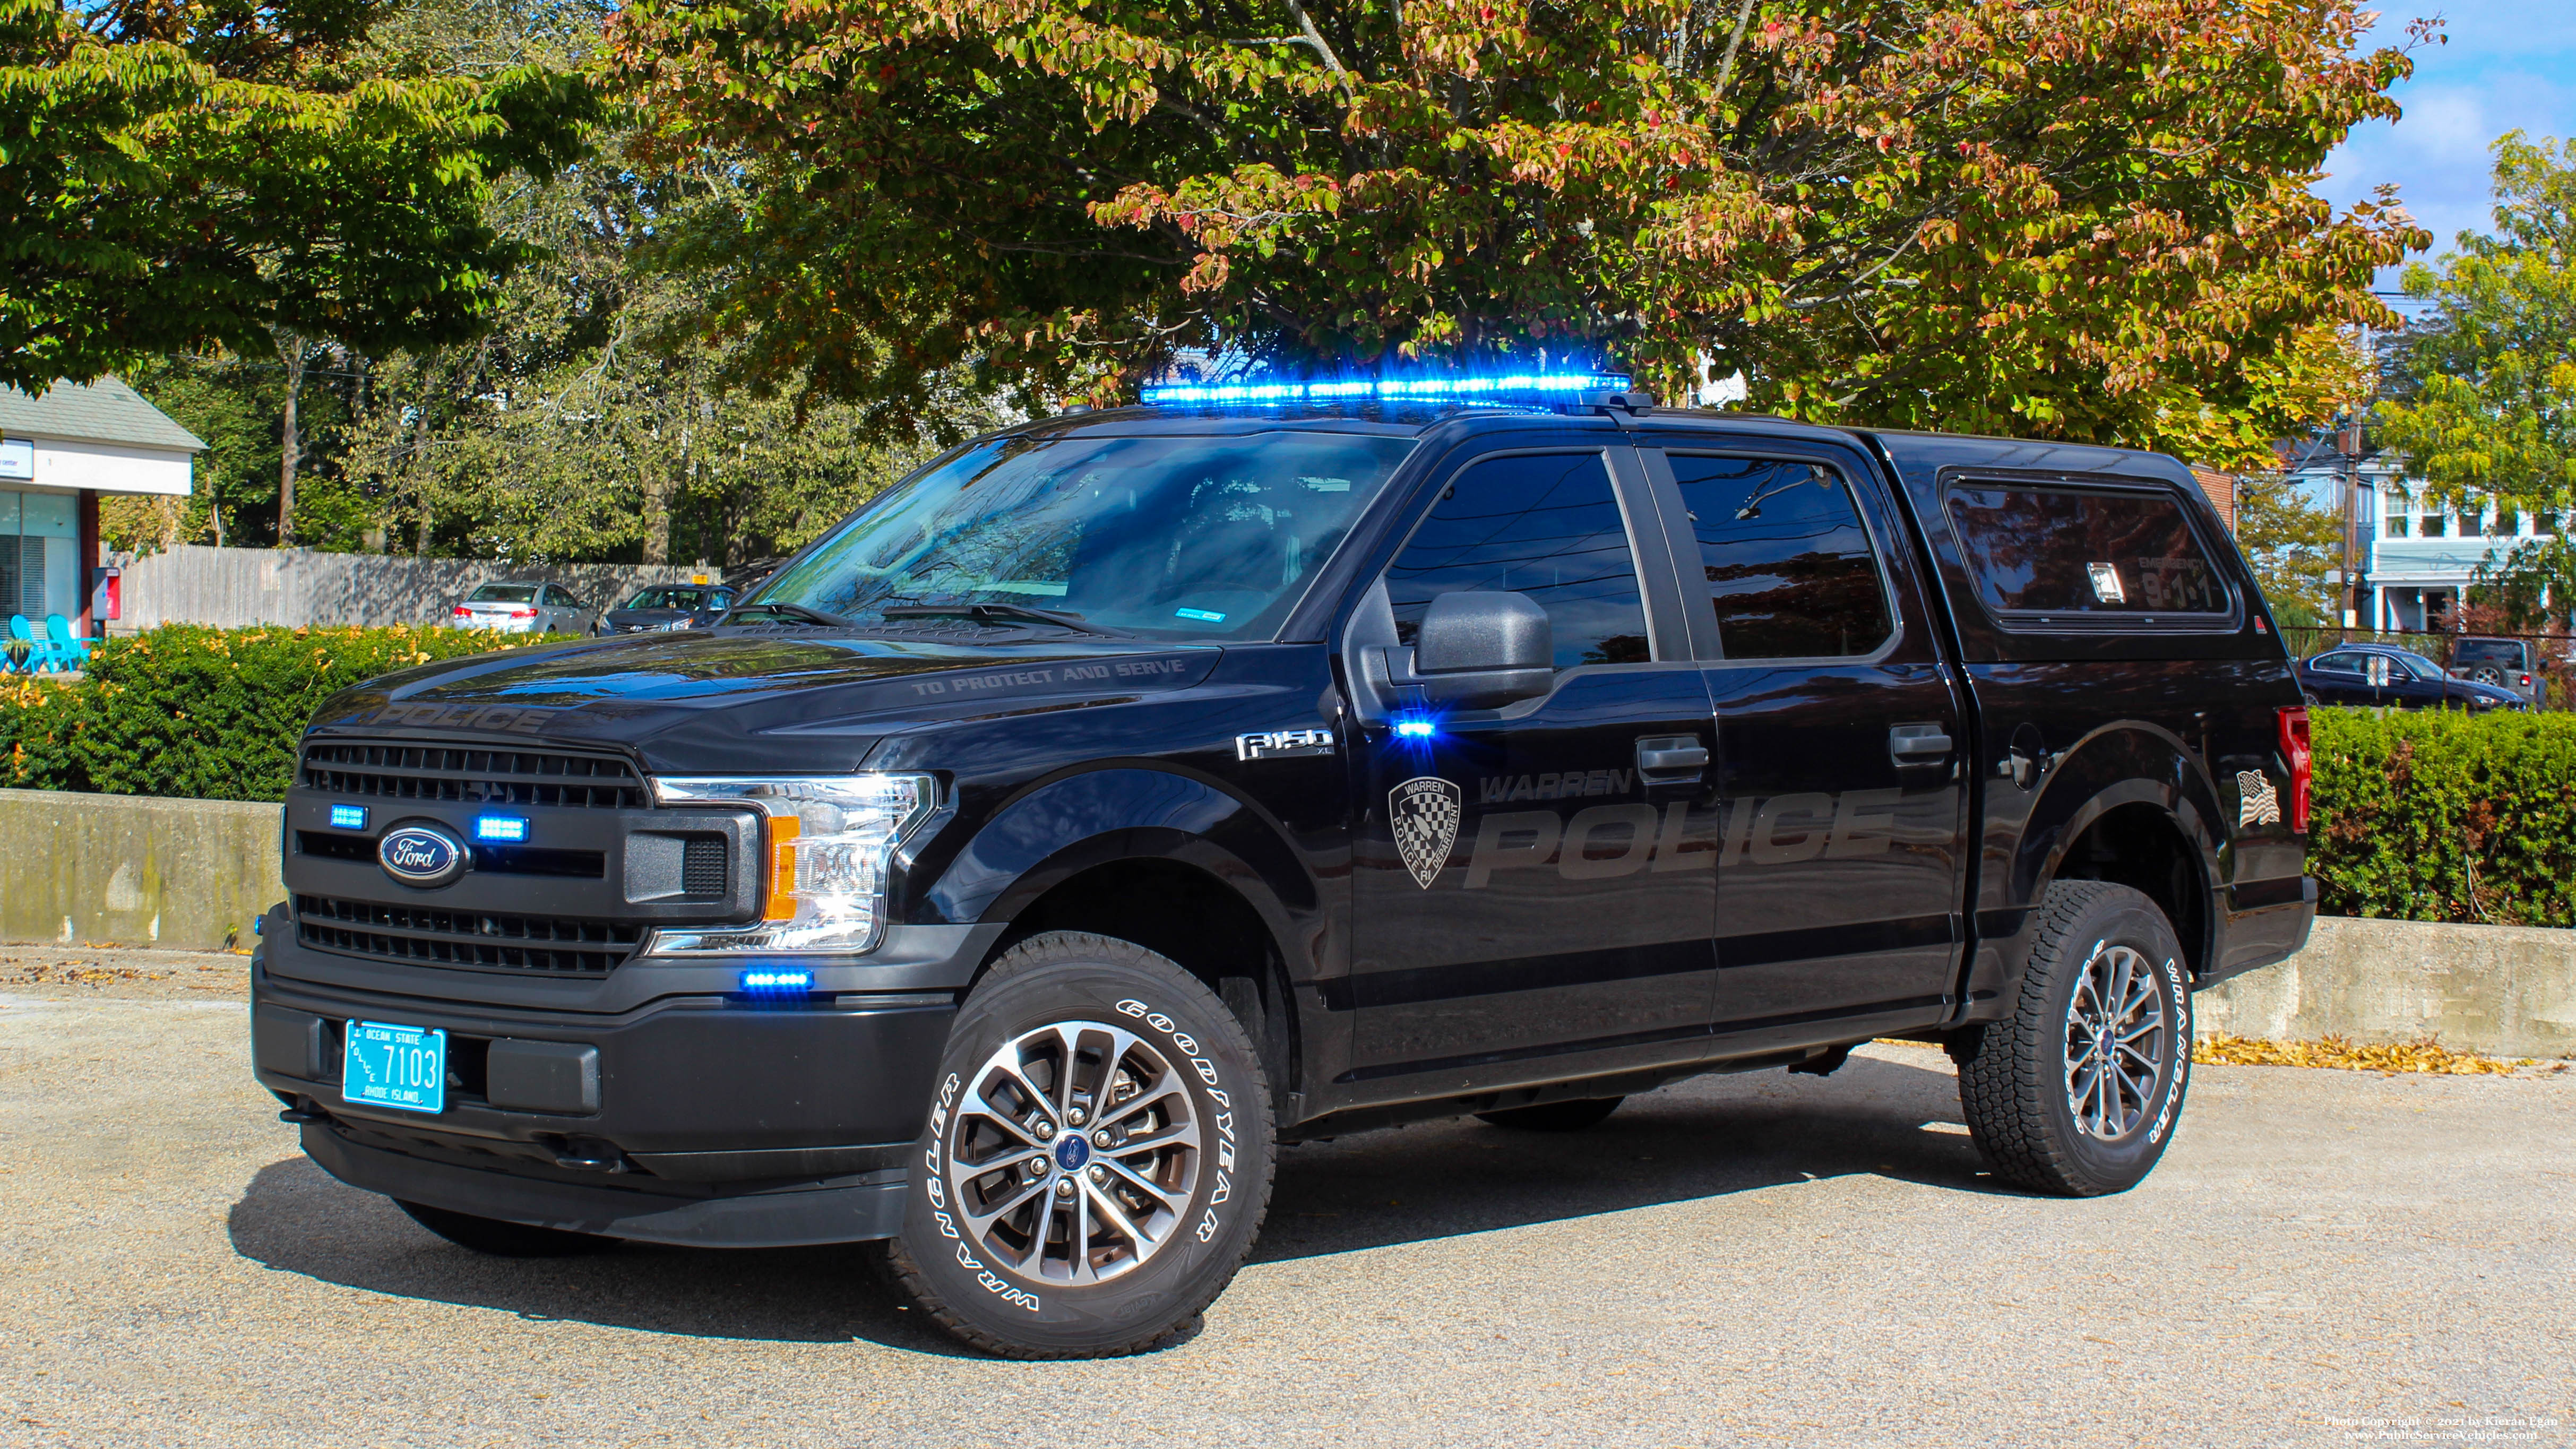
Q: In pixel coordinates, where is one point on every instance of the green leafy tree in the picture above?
(2086, 219)
(180, 174)
(2290, 540)
(2486, 402)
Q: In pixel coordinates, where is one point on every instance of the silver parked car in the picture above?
(522, 608)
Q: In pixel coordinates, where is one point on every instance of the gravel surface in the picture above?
(2324, 1258)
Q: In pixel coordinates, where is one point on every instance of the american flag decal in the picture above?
(2256, 804)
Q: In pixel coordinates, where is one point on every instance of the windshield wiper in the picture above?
(794, 611)
(995, 614)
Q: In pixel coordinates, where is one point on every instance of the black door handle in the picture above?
(1674, 757)
(1918, 744)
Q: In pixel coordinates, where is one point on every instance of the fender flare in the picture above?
(2129, 762)
(1059, 827)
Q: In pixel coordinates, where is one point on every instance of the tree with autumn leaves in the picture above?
(2086, 220)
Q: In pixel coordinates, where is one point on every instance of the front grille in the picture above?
(471, 775)
(476, 940)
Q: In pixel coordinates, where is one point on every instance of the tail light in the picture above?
(2295, 754)
(2526, 681)
(523, 613)
(463, 612)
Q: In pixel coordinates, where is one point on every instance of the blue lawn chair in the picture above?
(41, 654)
(70, 648)
(22, 648)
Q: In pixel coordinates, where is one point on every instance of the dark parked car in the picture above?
(2382, 674)
(668, 606)
(1125, 795)
(2512, 664)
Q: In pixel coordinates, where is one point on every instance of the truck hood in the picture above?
(751, 702)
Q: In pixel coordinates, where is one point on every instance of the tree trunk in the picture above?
(658, 493)
(289, 444)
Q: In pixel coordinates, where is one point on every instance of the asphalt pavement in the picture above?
(2323, 1258)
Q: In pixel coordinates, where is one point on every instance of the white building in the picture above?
(58, 453)
(2419, 558)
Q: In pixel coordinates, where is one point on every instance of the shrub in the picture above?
(212, 714)
(2439, 815)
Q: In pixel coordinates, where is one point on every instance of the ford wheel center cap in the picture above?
(421, 855)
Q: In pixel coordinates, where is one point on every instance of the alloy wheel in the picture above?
(2116, 1043)
(1073, 1153)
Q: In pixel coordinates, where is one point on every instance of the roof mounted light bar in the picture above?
(1552, 387)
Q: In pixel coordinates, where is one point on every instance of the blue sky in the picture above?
(2510, 63)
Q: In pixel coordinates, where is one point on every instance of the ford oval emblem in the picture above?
(421, 855)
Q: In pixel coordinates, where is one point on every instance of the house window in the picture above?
(40, 570)
(2508, 521)
(2396, 525)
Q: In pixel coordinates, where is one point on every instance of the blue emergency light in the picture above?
(508, 829)
(771, 982)
(348, 817)
(1505, 387)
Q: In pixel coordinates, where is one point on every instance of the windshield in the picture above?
(2418, 665)
(1192, 537)
(503, 594)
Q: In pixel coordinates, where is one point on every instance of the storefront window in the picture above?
(40, 570)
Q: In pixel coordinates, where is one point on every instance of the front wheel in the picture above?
(2077, 1092)
(1098, 1157)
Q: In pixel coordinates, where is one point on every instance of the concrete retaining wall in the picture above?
(2507, 991)
(129, 870)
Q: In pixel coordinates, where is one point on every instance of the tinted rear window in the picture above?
(2488, 651)
(503, 594)
(2075, 551)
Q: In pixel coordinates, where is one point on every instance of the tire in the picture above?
(1012, 1164)
(2488, 674)
(495, 1238)
(2039, 1103)
(1571, 1116)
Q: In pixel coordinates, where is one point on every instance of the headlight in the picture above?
(827, 843)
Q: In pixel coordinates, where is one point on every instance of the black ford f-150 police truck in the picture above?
(1133, 791)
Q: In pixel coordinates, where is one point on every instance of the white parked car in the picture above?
(522, 608)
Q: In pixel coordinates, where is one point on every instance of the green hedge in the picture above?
(2439, 815)
(212, 714)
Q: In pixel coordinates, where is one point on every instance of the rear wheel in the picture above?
(1098, 1157)
(2077, 1092)
(2488, 674)
(499, 1239)
(1572, 1116)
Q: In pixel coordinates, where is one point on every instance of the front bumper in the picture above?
(690, 1115)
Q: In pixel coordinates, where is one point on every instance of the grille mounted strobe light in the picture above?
(1556, 386)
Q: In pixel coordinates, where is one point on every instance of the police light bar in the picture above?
(1555, 386)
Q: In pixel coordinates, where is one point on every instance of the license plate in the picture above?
(403, 1067)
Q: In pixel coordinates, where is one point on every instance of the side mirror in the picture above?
(1484, 650)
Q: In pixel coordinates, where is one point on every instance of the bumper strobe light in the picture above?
(348, 817)
(772, 982)
(507, 829)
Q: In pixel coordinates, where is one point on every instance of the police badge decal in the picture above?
(1423, 812)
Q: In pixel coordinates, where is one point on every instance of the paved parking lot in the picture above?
(2324, 1258)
